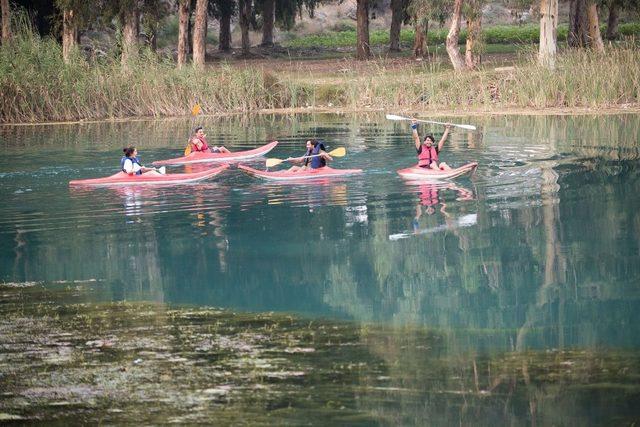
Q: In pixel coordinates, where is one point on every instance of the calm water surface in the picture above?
(539, 250)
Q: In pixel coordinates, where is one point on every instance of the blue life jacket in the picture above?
(317, 162)
(134, 160)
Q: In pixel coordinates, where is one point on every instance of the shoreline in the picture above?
(516, 111)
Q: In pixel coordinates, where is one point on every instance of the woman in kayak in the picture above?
(130, 163)
(198, 142)
(427, 150)
(314, 158)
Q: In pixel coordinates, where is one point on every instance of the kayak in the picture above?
(419, 173)
(151, 178)
(285, 175)
(202, 157)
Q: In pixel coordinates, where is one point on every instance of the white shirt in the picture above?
(131, 167)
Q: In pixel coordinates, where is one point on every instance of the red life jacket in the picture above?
(427, 155)
(205, 146)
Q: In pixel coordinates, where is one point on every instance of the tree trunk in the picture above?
(183, 31)
(612, 22)
(199, 34)
(578, 24)
(268, 16)
(471, 54)
(130, 33)
(362, 43)
(421, 39)
(595, 39)
(452, 38)
(225, 32)
(396, 25)
(244, 7)
(69, 33)
(6, 21)
(548, 33)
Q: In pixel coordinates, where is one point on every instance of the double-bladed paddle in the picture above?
(194, 112)
(394, 117)
(338, 152)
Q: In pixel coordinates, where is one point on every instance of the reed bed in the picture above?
(36, 85)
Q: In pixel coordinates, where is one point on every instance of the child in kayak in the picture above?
(198, 142)
(130, 163)
(314, 158)
(427, 150)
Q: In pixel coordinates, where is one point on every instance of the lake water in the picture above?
(533, 259)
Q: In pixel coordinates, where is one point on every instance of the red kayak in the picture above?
(285, 175)
(151, 178)
(419, 173)
(202, 157)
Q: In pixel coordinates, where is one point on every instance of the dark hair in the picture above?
(196, 129)
(430, 136)
(128, 151)
(315, 142)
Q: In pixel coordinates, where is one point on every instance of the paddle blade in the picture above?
(273, 162)
(187, 150)
(162, 170)
(196, 110)
(394, 117)
(469, 127)
(338, 152)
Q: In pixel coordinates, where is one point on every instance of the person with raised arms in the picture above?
(427, 150)
(315, 157)
(198, 142)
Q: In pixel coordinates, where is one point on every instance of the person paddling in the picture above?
(130, 163)
(198, 142)
(316, 157)
(427, 150)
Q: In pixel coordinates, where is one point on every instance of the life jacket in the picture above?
(205, 146)
(427, 155)
(134, 160)
(318, 161)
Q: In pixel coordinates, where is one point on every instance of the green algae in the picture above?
(63, 360)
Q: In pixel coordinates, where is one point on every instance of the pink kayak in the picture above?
(419, 173)
(285, 175)
(201, 157)
(151, 178)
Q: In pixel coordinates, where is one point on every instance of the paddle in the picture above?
(161, 170)
(394, 117)
(194, 112)
(338, 152)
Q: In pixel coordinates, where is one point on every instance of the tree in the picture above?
(612, 21)
(362, 29)
(200, 33)
(397, 15)
(268, 18)
(578, 24)
(548, 33)
(130, 30)
(183, 31)
(6, 21)
(244, 7)
(473, 13)
(452, 38)
(419, 10)
(75, 13)
(595, 39)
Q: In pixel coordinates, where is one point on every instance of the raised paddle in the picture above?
(394, 117)
(338, 152)
(194, 112)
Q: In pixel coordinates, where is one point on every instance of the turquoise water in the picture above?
(544, 235)
(538, 250)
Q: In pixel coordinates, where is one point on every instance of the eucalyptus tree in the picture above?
(245, 11)
(595, 38)
(223, 10)
(200, 33)
(548, 33)
(6, 21)
(398, 8)
(184, 13)
(422, 12)
(472, 11)
(451, 43)
(75, 13)
(362, 29)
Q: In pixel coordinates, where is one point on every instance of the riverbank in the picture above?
(38, 86)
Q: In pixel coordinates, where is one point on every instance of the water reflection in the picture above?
(539, 249)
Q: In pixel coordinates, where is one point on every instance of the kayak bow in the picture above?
(151, 178)
(202, 157)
